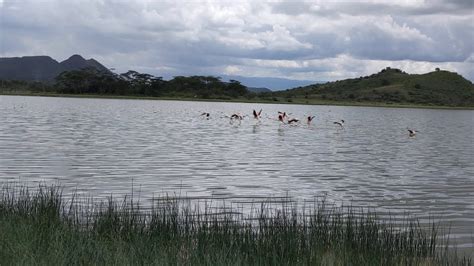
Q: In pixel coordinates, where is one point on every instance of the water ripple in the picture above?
(100, 147)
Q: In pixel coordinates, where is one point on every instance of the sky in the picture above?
(296, 40)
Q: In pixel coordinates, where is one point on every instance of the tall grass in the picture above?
(42, 227)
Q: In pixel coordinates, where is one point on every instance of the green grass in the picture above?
(40, 227)
(392, 86)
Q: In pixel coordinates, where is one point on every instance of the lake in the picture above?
(105, 146)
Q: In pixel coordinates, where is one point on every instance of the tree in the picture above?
(235, 89)
(76, 81)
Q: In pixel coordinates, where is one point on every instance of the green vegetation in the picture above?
(90, 81)
(40, 227)
(392, 86)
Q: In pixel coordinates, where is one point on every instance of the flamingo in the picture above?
(282, 116)
(340, 123)
(411, 132)
(293, 120)
(236, 117)
(257, 115)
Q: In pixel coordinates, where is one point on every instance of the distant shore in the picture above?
(279, 100)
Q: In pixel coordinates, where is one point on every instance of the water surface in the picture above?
(104, 146)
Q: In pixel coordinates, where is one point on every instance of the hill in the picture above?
(42, 68)
(392, 86)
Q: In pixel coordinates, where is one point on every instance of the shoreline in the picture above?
(295, 101)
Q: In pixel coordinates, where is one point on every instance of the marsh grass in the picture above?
(41, 226)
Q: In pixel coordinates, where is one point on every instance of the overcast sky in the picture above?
(310, 40)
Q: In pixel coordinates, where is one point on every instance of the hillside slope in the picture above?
(30, 68)
(394, 86)
(42, 68)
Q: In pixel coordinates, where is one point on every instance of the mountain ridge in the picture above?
(43, 68)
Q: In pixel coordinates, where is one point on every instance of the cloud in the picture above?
(313, 40)
(342, 66)
(232, 70)
(363, 8)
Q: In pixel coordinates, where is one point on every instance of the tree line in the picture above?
(133, 83)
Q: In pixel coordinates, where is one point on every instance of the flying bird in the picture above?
(282, 116)
(206, 114)
(257, 115)
(411, 132)
(340, 123)
(236, 116)
(309, 119)
(293, 120)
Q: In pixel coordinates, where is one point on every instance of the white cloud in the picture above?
(313, 40)
(232, 70)
(343, 66)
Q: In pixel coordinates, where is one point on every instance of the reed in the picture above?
(42, 227)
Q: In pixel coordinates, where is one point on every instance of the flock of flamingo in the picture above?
(284, 118)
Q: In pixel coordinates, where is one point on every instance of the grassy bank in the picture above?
(41, 227)
(274, 100)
